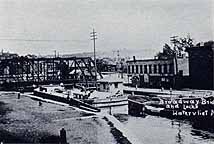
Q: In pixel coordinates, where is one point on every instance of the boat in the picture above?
(184, 107)
(109, 94)
(153, 107)
(59, 94)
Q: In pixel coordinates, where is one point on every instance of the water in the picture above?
(158, 130)
(116, 110)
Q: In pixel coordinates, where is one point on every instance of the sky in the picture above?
(135, 27)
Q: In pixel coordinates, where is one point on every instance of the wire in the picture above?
(41, 40)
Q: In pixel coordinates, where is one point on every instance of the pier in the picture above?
(166, 92)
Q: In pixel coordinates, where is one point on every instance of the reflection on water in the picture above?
(158, 130)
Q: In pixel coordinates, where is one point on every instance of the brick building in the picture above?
(201, 63)
(158, 73)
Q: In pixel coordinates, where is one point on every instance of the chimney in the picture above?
(134, 59)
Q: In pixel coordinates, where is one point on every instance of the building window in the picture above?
(116, 85)
(129, 69)
(155, 68)
(150, 69)
(40, 68)
(165, 68)
(136, 68)
(160, 69)
(107, 87)
(171, 69)
(141, 69)
(145, 69)
(132, 68)
(180, 73)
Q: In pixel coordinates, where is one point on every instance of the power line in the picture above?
(41, 40)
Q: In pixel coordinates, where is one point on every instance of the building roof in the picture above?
(111, 79)
(146, 60)
(202, 46)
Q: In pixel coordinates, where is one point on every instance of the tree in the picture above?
(179, 47)
(167, 53)
(181, 44)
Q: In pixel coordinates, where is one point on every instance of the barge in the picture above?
(107, 95)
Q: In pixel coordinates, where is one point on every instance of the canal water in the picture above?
(159, 130)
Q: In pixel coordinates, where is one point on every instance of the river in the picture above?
(159, 130)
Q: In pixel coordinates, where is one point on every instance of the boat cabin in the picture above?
(110, 84)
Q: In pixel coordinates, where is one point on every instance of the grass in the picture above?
(24, 121)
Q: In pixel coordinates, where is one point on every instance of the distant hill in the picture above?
(123, 53)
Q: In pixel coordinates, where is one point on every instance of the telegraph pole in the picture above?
(173, 41)
(94, 37)
(54, 53)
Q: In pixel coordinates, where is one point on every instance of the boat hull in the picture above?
(62, 98)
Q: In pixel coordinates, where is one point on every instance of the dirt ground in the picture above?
(24, 121)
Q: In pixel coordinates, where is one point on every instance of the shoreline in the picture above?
(118, 135)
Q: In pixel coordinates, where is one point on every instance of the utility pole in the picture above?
(54, 53)
(118, 63)
(94, 37)
(118, 55)
(113, 53)
(174, 41)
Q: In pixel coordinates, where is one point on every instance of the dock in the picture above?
(157, 92)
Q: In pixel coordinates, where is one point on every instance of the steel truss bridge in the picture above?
(24, 71)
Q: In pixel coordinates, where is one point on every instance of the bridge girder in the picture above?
(47, 70)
